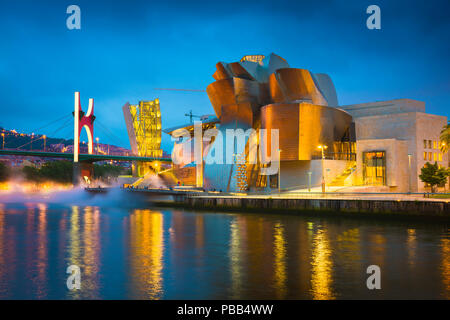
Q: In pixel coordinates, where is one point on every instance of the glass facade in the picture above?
(374, 168)
(147, 127)
(258, 58)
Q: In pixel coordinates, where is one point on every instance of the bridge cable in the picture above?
(31, 141)
(61, 127)
(50, 123)
(42, 136)
(65, 139)
(110, 134)
(115, 137)
(110, 137)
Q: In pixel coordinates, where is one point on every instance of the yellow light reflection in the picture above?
(280, 261)
(75, 245)
(91, 246)
(411, 243)
(377, 251)
(42, 259)
(445, 266)
(146, 253)
(349, 253)
(321, 268)
(235, 266)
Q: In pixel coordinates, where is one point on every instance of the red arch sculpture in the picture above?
(83, 120)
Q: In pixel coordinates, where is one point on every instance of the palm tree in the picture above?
(445, 138)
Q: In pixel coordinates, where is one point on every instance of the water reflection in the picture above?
(411, 243)
(42, 259)
(84, 250)
(172, 254)
(279, 261)
(322, 267)
(3, 265)
(235, 254)
(146, 252)
(445, 267)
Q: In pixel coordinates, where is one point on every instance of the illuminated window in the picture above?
(429, 156)
(425, 156)
(434, 145)
(261, 182)
(440, 156)
(258, 58)
(429, 144)
(434, 156)
(374, 168)
(273, 181)
(425, 144)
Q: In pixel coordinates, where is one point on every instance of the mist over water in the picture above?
(115, 197)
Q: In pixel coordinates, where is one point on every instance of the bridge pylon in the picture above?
(86, 121)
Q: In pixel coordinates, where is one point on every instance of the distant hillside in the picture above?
(14, 140)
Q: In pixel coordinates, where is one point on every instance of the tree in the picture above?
(57, 171)
(433, 175)
(107, 170)
(4, 172)
(31, 174)
(445, 138)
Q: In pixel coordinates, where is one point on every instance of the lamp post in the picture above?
(45, 140)
(3, 145)
(96, 139)
(323, 148)
(31, 142)
(409, 172)
(309, 181)
(279, 171)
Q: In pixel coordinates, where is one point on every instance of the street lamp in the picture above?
(409, 172)
(323, 148)
(3, 145)
(31, 142)
(96, 139)
(279, 171)
(45, 140)
(309, 181)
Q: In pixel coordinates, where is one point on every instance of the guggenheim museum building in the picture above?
(377, 146)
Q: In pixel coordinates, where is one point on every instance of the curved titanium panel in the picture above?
(291, 84)
(241, 114)
(326, 86)
(231, 91)
(304, 126)
(221, 72)
(239, 71)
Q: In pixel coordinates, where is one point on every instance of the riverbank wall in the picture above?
(337, 207)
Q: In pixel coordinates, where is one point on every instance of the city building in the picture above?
(395, 139)
(378, 146)
(143, 123)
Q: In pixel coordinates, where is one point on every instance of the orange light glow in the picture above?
(30, 187)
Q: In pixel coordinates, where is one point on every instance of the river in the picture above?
(127, 249)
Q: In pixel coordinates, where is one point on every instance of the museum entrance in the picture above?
(374, 168)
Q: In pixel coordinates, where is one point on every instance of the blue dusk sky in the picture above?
(126, 49)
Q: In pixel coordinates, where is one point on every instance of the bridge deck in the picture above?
(81, 157)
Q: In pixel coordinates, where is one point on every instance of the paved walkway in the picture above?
(316, 193)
